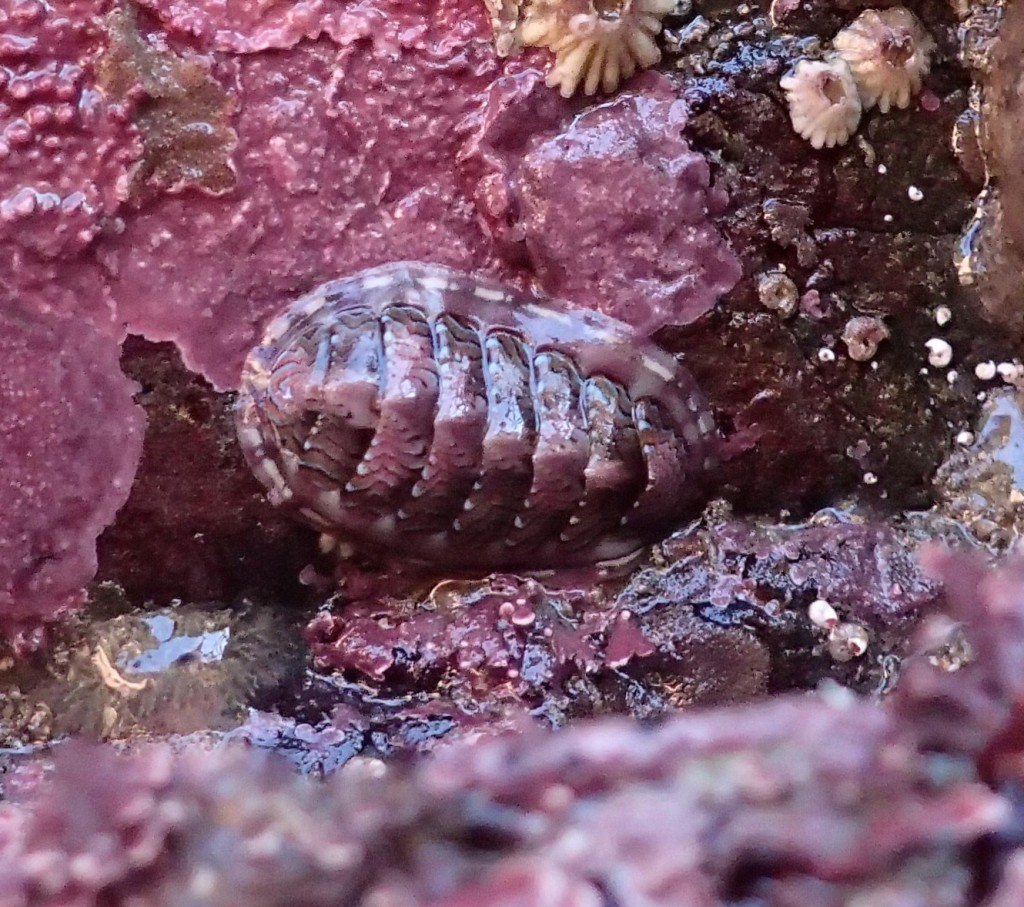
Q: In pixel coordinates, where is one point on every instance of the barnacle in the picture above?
(505, 21)
(888, 52)
(596, 43)
(824, 105)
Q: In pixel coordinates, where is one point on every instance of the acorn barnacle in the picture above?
(596, 43)
(889, 53)
(824, 105)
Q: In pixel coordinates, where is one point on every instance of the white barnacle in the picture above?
(824, 106)
(848, 641)
(596, 43)
(889, 53)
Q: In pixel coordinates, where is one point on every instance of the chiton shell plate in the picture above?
(445, 420)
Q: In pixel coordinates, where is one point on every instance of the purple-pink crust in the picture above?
(70, 439)
(445, 419)
(64, 152)
(610, 205)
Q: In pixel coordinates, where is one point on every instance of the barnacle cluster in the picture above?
(881, 59)
(597, 43)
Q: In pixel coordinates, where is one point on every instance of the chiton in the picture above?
(444, 420)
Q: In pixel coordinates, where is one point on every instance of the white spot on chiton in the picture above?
(377, 281)
(915, 194)
(870, 478)
(889, 53)
(822, 614)
(311, 306)
(488, 293)
(653, 365)
(940, 353)
(826, 355)
(943, 315)
(542, 312)
(965, 438)
(434, 283)
(824, 106)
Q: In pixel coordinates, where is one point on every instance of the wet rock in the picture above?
(842, 225)
(510, 644)
(721, 616)
(992, 253)
(159, 672)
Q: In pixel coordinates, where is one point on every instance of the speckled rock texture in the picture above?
(820, 798)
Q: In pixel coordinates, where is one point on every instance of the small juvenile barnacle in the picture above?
(889, 53)
(824, 106)
(596, 43)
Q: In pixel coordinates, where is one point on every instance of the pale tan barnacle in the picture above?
(824, 106)
(889, 53)
(596, 43)
(505, 22)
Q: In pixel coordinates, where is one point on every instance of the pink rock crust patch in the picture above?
(70, 439)
(609, 204)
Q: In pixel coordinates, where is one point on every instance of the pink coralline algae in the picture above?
(70, 439)
(609, 205)
(511, 643)
(820, 798)
(352, 157)
(65, 154)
